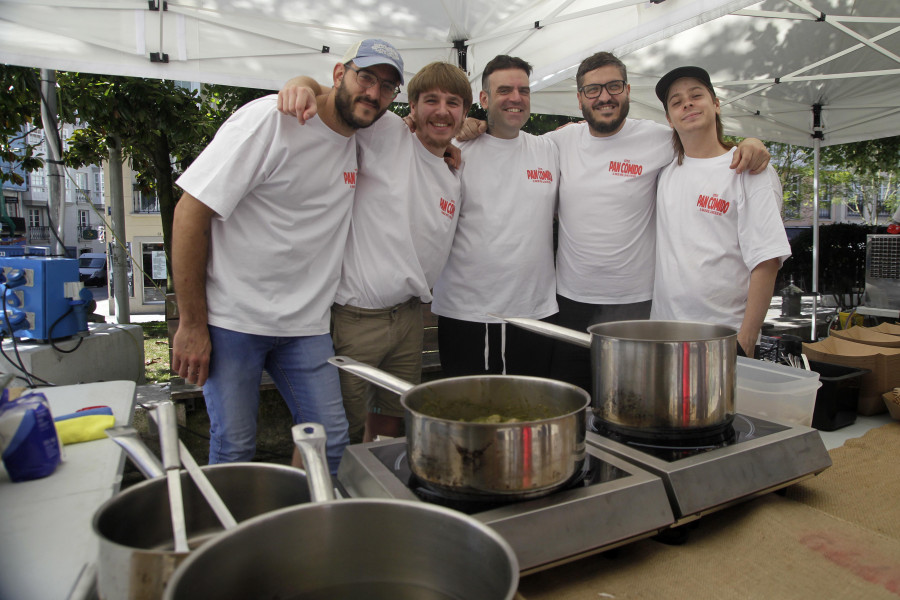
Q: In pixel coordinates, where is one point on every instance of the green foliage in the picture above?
(862, 176)
(842, 261)
(19, 108)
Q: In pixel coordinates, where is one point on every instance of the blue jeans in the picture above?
(299, 368)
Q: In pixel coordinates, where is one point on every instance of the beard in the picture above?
(343, 103)
(606, 126)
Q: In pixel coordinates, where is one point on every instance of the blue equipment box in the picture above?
(41, 297)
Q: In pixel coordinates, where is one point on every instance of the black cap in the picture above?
(662, 88)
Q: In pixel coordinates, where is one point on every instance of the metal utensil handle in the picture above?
(168, 439)
(372, 374)
(206, 488)
(145, 461)
(310, 441)
(579, 338)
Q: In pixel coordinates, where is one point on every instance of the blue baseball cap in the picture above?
(369, 52)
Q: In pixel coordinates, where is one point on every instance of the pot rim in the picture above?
(724, 331)
(196, 555)
(450, 381)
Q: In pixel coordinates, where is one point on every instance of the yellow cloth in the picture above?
(84, 429)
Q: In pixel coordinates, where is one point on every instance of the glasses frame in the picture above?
(603, 86)
(394, 88)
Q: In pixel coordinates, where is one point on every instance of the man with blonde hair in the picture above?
(404, 217)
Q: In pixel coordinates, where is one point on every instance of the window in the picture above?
(38, 179)
(98, 182)
(825, 209)
(84, 218)
(154, 265)
(34, 217)
(81, 180)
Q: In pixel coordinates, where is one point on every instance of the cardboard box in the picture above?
(884, 364)
(866, 335)
(892, 401)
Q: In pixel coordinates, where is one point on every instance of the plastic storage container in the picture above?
(776, 392)
(838, 397)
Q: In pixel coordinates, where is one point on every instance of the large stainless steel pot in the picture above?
(657, 378)
(348, 549)
(136, 555)
(451, 453)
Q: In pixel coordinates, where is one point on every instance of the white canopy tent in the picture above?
(807, 72)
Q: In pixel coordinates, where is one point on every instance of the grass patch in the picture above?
(156, 352)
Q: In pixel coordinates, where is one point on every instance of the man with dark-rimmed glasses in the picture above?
(607, 199)
(259, 237)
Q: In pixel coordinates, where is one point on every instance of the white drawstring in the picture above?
(487, 349)
(503, 345)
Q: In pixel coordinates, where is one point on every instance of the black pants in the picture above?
(572, 363)
(461, 345)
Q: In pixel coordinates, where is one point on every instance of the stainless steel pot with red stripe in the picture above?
(665, 379)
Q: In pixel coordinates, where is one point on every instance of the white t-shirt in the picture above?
(501, 261)
(282, 193)
(607, 193)
(713, 227)
(404, 216)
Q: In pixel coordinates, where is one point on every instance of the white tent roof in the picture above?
(262, 43)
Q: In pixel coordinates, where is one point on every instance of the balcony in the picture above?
(39, 233)
(83, 196)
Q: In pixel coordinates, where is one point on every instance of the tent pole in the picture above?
(815, 249)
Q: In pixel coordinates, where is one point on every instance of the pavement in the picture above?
(101, 296)
(801, 325)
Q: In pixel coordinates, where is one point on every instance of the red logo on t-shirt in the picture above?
(448, 207)
(350, 178)
(625, 168)
(539, 175)
(713, 204)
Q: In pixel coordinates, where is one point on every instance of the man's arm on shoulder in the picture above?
(759, 297)
(751, 154)
(471, 129)
(190, 253)
(298, 97)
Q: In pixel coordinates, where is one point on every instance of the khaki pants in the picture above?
(388, 338)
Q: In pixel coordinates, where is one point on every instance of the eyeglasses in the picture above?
(615, 87)
(366, 79)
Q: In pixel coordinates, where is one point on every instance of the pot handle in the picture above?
(579, 338)
(310, 441)
(372, 374)
(145, 461)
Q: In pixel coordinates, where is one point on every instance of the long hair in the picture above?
(720, 132)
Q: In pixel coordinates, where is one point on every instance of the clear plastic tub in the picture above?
(776, 392)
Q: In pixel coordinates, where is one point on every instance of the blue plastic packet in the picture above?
(28, 439)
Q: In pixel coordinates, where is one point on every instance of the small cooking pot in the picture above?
(453, 446)
(136, 551)
(348, 549)
(658, 379)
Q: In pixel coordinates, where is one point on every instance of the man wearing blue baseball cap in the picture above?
(259, 236)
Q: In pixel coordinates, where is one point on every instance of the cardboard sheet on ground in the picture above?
(835, 536)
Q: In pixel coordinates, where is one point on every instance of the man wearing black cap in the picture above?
(720, 239)
(259, 236)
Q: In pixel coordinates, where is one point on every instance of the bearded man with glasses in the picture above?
(259, 238)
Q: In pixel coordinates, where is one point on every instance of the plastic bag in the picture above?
(28, 440)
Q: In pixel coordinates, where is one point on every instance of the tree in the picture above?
(162, 127)
(19, 108)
